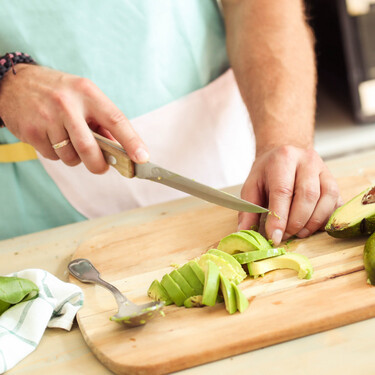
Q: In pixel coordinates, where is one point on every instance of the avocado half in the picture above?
(355, 218)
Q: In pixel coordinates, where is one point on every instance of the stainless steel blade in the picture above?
(158, 174)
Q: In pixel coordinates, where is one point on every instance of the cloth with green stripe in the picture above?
(22, 326)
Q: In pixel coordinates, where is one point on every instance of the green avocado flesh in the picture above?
(227, 289)
(190, 276)
(354, 218)
(182, 283)
(241, 301)
(173, 290)
(158, 293)
(229, 258)
(369, 259)
(238, 242)
(263, 243)
(252, 256)
(194, 301)
(197, 270)
(297, 262)
(224, 267)
(211, 284)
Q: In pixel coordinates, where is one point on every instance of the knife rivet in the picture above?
(111, 160)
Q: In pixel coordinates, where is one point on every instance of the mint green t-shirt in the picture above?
(142, 54)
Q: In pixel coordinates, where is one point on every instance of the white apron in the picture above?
(206, 136)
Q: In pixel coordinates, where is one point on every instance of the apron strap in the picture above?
(16, 152)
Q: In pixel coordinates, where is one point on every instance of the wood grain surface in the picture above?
(282, 307)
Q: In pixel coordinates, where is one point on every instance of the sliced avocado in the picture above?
(182, 283)
(264, 244)
(229, 294)
(369, 259)
(252, 256)
(187, 272)
(211, 284)
(294, 261)
(229, 258)
(224, 267)
(354, 218)
(238, 242)
(241, 301)
(194, 301)
(173, 290)
(158, 293)
(197, 270)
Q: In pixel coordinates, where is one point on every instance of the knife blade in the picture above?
(117, 157)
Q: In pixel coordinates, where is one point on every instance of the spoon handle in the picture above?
(84, 271)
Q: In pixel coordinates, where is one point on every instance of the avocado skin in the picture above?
(369, 259)
(363, 228)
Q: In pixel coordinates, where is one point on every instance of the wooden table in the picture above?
(345, 350)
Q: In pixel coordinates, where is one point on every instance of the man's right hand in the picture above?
(42, 107)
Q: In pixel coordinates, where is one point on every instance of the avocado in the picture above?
(182, 283)
(211, 284)
(158, 293)
(197, 270)
(294, 261)
(229, 294)
(238, 242)
(369, 259)
(263, 243)
(194, 301)
(229, 258)
(224, 267)
(252, 256)
(241, 301)
(187, 272)
(173, 290)
(355, 218)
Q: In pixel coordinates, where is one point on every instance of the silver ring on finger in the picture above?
(61, 144)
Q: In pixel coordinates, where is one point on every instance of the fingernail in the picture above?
(141, 155)
(286, 236)
(303, 233)
(276, 236)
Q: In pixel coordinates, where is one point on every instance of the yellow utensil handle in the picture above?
(115, 156)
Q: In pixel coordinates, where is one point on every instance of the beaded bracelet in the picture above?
(8, 61)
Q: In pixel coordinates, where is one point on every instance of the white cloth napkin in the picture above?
(22, 326)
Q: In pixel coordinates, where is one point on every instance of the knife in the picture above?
(117, 157)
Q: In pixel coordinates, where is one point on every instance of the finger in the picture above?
(85, 144)
(328, 202)
(280, 186)
(251, 192)
(105, 113)
(57, 134)
(306, 196)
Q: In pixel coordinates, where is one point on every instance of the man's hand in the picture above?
(42, 107)
(298, 189)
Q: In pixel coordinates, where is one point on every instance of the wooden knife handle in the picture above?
(115, 155)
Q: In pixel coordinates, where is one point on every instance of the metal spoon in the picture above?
(129, 313)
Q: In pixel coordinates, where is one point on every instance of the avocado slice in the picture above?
(194, 301)
(252, 256)
(158, 293)
(230, 259)
(354, 218)
(369, 259)
(224, 267)
(294, 261)
(238, 242)
(197, 270)
(241, 301)
(189, 275)
(229, 294)
(182, 283)
(173, 290)
(211, 284)
(263, 243)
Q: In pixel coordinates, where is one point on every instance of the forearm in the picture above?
(271, 51)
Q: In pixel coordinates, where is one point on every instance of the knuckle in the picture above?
(84, 146)
(315, 223)
(117, 118)
(295, 226)
(309, 195)
(332, 190)
(60, 99)
(283, 191)
(286, 151)
(31, 133)
(84, 86)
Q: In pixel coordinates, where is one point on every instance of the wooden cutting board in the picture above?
(282, 307)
